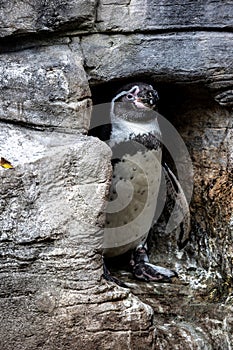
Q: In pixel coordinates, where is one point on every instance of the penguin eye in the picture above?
(130, 97)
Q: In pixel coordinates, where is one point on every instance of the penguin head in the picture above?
(135, 101)
(138, 95)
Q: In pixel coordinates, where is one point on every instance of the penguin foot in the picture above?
(107, 275)
(145, 271)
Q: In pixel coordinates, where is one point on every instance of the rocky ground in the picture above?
(57, 58)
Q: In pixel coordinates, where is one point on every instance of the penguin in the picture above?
(136, 144)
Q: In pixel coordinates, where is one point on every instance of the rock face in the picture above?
(23, 18)
(53, 54)
(45, 87)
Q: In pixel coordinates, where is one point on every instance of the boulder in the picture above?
(45, 86)
(52, 292)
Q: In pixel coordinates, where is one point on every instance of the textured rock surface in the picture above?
(179, 57)
(210, 144)
(20, 17)
(151, 15)
(52, 295)
(51, 241)
(45, 86)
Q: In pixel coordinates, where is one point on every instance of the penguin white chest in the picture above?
(132, 201)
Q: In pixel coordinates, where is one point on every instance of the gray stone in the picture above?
(45, 87)
(54, 175)
(178, 57)
(20, 17)
(51, 220)
(142, 15)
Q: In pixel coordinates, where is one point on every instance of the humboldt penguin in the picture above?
(136, 144)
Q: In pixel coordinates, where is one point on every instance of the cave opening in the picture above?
(203, 125)
(175, 100)
(187, 106)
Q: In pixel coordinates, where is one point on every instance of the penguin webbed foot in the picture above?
(108, 277)
(145, 271)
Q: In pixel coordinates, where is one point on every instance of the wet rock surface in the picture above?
(53, 54)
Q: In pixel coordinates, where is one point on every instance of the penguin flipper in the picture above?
(176, 213)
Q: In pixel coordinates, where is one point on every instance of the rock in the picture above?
(189, 321)
(206, 129)
(225, 98)
(52, 205)
(179, 57)
(129, 16)
(105, 16)
(52, 292)
(53, 177)
(23, 17)
(45, 87)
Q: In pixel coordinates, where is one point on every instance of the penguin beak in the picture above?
(140, 103)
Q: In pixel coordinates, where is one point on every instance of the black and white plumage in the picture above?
(137, 152)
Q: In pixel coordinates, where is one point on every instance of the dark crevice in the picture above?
(156, 31)
(36, 127)
(97, 5)
(25, 125)
(172, 98)
(39, 241)
(175, 101)
(20, 42)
